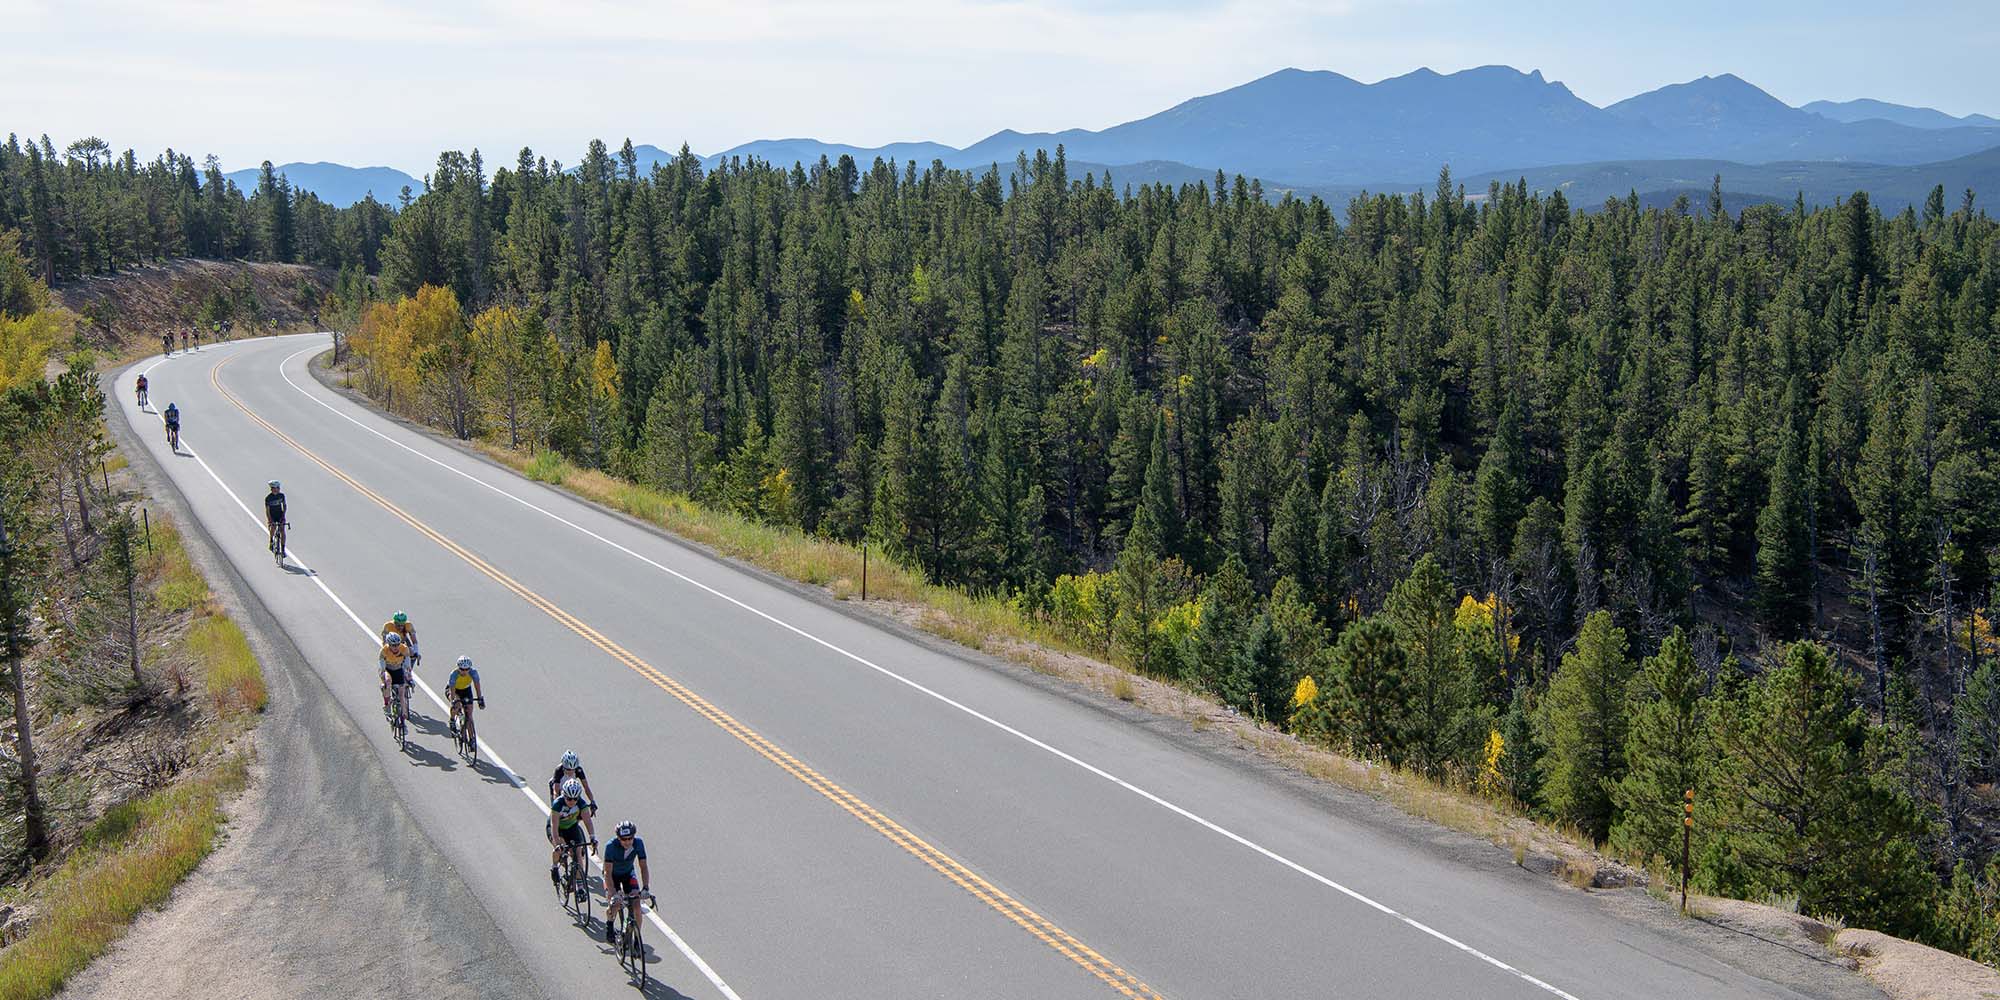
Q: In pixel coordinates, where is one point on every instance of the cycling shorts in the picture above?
(627, 884)
(464, 697)
(397, 676)
(571, 835)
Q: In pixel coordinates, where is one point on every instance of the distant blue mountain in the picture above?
(1901, 114)
(1723, 117)
(334, 183)
(1300, 129)
(1323, 132)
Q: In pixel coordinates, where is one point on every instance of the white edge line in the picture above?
(492, 755)
(975, 713)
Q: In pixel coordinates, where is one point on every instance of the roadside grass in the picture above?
(133, 855)
(230, 675)
(129, 860)
(179, 585)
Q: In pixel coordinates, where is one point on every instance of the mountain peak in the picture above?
(1709, 102)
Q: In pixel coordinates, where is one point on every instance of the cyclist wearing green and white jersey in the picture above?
(569, 822)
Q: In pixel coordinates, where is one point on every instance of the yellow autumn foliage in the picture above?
(1306, 693)
(25, 343)
(1490, 782)
(604, 371)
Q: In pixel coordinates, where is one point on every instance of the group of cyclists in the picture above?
(190, 337)
(627, 877)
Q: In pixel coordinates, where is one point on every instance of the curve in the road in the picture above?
(965, 878)
(680, 944)
(663, 681)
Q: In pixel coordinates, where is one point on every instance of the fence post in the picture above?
(148, 522)
(1687, 836)
(864, 571)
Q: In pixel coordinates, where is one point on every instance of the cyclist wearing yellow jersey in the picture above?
(463, 688)
(400, 624)
(395, 672)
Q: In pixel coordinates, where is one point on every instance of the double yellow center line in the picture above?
(944, 864)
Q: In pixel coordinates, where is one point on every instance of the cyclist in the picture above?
(464, 688)
(172, 415)
(142, 392)
(167, 342)
(620, 888)
(395, 657)
(274, 511)
(569, 822)
(572, 767)
(399, 623)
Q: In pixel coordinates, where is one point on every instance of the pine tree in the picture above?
(1584, 725)
(1295, 537)
(1666, 753)
(1374, 679)
(1802, 811)
(1222, 657)
(1157, 508)
(1521, 762)
(1784, 555)
(1444, 725)
(1499, 496)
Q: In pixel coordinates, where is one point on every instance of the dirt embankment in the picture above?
(129, 310)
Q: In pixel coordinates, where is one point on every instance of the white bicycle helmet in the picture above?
(465, 661)
(572, 789)
(394, 638)
(570, 761)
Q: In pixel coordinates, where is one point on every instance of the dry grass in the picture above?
(230, 675)
(129, 861)
(177, 586)
(1578, 870)
(1122, 689)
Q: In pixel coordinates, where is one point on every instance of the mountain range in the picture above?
(1322, 132)
(334, 183)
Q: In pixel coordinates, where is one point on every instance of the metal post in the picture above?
(148, 522)
(1687, 836)
(864, 571)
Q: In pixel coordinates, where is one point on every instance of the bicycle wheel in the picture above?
(634, 945)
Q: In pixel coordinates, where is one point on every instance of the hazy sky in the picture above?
(370, 82)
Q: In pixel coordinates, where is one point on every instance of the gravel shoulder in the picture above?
(324, 886)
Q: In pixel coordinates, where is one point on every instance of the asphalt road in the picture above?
(834, 809)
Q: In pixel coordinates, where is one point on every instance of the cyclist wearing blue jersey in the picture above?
(621, 888)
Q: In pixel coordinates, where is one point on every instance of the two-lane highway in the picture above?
(831, 809)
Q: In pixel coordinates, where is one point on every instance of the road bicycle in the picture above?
(631, 940)
(174, 437)
(278, 541)
(396, 705)
(573, 887)
(464, 732)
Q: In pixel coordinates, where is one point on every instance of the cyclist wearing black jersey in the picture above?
(274, 509)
